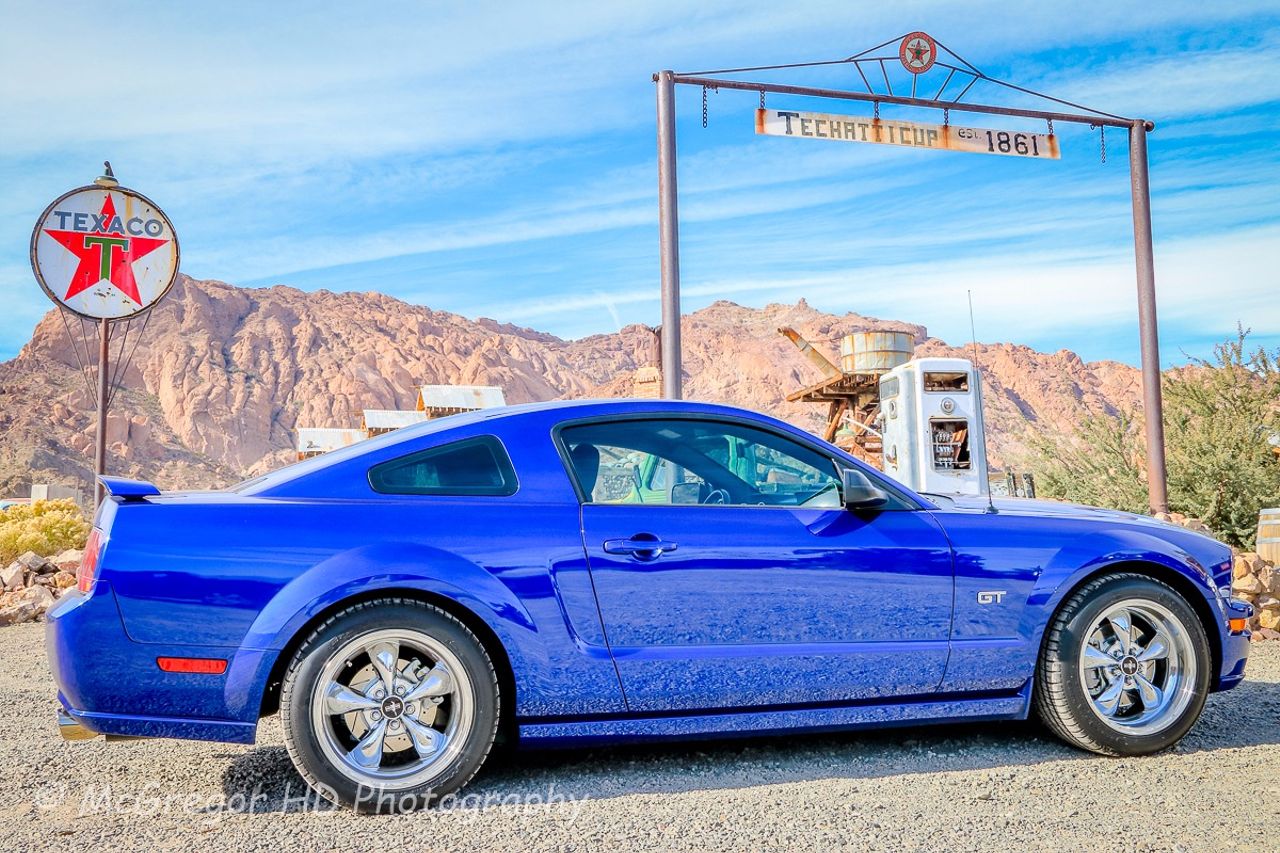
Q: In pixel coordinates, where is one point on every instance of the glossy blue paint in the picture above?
(119, 487)
(763, 618)
(114, 686)
(772, 605)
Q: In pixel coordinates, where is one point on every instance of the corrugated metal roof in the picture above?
(391, 418)
(464, 397)
(324, 439)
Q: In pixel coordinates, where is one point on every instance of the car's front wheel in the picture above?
(1125, 667)
(389, 705)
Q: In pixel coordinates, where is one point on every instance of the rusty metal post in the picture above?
(668, 235)
(1152, 402)
(100, 455)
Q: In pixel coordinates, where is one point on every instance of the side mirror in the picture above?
(858, 492)
(686, 493)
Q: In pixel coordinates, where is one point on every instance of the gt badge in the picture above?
(995, 596)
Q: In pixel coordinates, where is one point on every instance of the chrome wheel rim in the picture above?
(392, 707)
(1138, 667)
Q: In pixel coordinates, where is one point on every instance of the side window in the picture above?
(473, 466)
(687, 461)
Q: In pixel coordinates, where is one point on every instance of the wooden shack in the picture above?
(439, 401)
(312, 441)
(378, 421)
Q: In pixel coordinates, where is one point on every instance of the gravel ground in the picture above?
(958, 787)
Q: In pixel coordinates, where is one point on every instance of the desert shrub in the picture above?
(1102, 464)
(1220, 416)
(46, 527)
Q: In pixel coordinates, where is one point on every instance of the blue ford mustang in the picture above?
(607, 571)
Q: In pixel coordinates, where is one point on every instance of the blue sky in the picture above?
(498, 160)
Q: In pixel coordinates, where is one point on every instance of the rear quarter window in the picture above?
(473, 466)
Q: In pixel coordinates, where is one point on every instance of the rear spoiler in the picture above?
(128, 490)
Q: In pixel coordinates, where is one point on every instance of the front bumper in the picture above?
(1235, 645)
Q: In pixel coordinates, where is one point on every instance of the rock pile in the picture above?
(31, 584)
(1257, 581)
(1195, 525)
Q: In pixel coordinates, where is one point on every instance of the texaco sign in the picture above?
(918, 51)
(104, 253)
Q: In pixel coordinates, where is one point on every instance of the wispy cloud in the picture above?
(1029, 297)
(498, 159)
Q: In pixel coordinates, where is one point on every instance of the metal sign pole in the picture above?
(669, 236)
(84, 250)
(918, 53)
(1152, 402)
(100, 454)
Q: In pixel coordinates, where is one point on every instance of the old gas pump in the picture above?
(934, 438)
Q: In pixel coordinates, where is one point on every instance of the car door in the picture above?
(746, 582)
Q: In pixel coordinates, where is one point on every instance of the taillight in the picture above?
(87, 573)
(204, 666)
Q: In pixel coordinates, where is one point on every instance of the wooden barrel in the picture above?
(1269, 535)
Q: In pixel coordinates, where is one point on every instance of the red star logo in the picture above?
(106, 253)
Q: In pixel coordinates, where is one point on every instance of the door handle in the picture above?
(642, 546)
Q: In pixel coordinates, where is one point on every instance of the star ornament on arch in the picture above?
(919, 50)
(106, 253)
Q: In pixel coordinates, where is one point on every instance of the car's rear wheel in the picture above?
(1125, 667)
(389, 705)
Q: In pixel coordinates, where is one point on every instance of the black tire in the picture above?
(299, 694)
(1062, 698)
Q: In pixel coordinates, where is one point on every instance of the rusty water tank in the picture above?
(1268, 546)
(875, 352)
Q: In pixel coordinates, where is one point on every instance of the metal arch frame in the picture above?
(1139, 180)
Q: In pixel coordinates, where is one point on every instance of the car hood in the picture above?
(1207, 550)
(1028, 506)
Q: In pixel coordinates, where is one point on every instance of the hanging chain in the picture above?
(704, 106)
(1050, 127)
(1103, 137)
(877, 110)
(946, 117)
(762, 99)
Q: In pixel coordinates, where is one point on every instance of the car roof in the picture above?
(566, 409)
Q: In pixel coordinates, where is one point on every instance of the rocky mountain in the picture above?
(223, 375)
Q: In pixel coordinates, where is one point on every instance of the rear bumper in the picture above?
(84, 725)
(71, 729)
(108, 684)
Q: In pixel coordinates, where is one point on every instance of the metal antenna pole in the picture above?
(669, 236)
(100, 455)
(985, 484)
(1152, 402)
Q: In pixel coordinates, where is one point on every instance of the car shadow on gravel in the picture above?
(1243, 717)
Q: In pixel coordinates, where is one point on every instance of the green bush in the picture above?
(46, 527)
(1102, 464)
(1219, 414)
